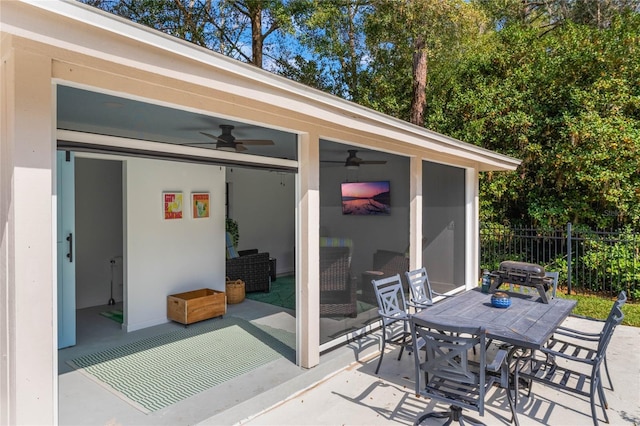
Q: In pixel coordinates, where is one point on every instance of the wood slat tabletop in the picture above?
(527, 323)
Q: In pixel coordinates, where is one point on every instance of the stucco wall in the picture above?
(156, 261)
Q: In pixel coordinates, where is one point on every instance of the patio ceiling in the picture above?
(98, 113)
(93, 112)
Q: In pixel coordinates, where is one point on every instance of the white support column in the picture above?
(308, 252)
(472, 239)
(28, 375)
(415, 215)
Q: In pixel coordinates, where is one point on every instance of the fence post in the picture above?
(569, 268)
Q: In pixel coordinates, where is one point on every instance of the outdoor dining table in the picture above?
(527, 324)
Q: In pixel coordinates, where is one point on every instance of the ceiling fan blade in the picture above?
(240, 147)
(255, 141)
(373, 162)
(212, 136)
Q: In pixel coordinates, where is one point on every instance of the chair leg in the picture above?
(606, 369)
(603, 399)
(512, 402)
(384, 341)
(402, 345)
(380, 360)
(594, 389)
(516, 378)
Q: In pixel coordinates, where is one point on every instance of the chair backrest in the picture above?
(390, 262)
(613, 320)
(556, 276)
(447, 369)
(390, 297)
(337, 242)
(419, 286)
(335, 268)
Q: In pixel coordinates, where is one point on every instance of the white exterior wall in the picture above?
(28, 383)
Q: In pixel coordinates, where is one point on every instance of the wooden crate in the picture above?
(196, 305)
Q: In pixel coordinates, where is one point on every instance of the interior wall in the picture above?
(98, 237)
(157, 263)
(263, 204)
(369, 233)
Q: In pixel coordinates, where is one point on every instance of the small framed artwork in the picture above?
(172, 205)
(200, 204)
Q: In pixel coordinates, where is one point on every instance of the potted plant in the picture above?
(231, 226)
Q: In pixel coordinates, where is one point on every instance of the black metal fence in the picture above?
(588, 261)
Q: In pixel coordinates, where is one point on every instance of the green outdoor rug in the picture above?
(283, 294)
(115, 315)
(156, 372)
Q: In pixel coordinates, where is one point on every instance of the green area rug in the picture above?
(156, 372)
(115, 315)
(283, 294)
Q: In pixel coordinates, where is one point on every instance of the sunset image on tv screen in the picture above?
(366, 198)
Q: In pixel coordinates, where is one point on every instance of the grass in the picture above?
(598, 307)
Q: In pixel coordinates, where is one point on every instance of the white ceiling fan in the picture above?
(227, 142)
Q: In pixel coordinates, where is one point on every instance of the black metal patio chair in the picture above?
(393, 311)
(420, 289)
(576, 372)
(571, 340)
(450, 373)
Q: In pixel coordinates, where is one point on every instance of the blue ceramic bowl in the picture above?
(500, 299)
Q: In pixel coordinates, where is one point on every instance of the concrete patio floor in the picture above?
(342, 390)
(354, 395)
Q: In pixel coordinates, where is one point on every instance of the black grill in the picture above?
(523, 274)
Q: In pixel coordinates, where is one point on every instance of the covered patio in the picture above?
(344, 389)
(141, 106)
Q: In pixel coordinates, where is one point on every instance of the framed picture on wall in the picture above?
(172, 204)
(200, 204)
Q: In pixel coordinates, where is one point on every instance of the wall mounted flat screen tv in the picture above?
(366, 198)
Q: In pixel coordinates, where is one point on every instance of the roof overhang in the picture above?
(81, 30)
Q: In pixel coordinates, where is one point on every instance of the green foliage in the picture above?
(404, 38)
(493, 239)
(242, 29)
(332, 32)
(614, 262)
(231, 226)
(568, 104)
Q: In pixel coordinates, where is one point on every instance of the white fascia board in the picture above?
(300, 98)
